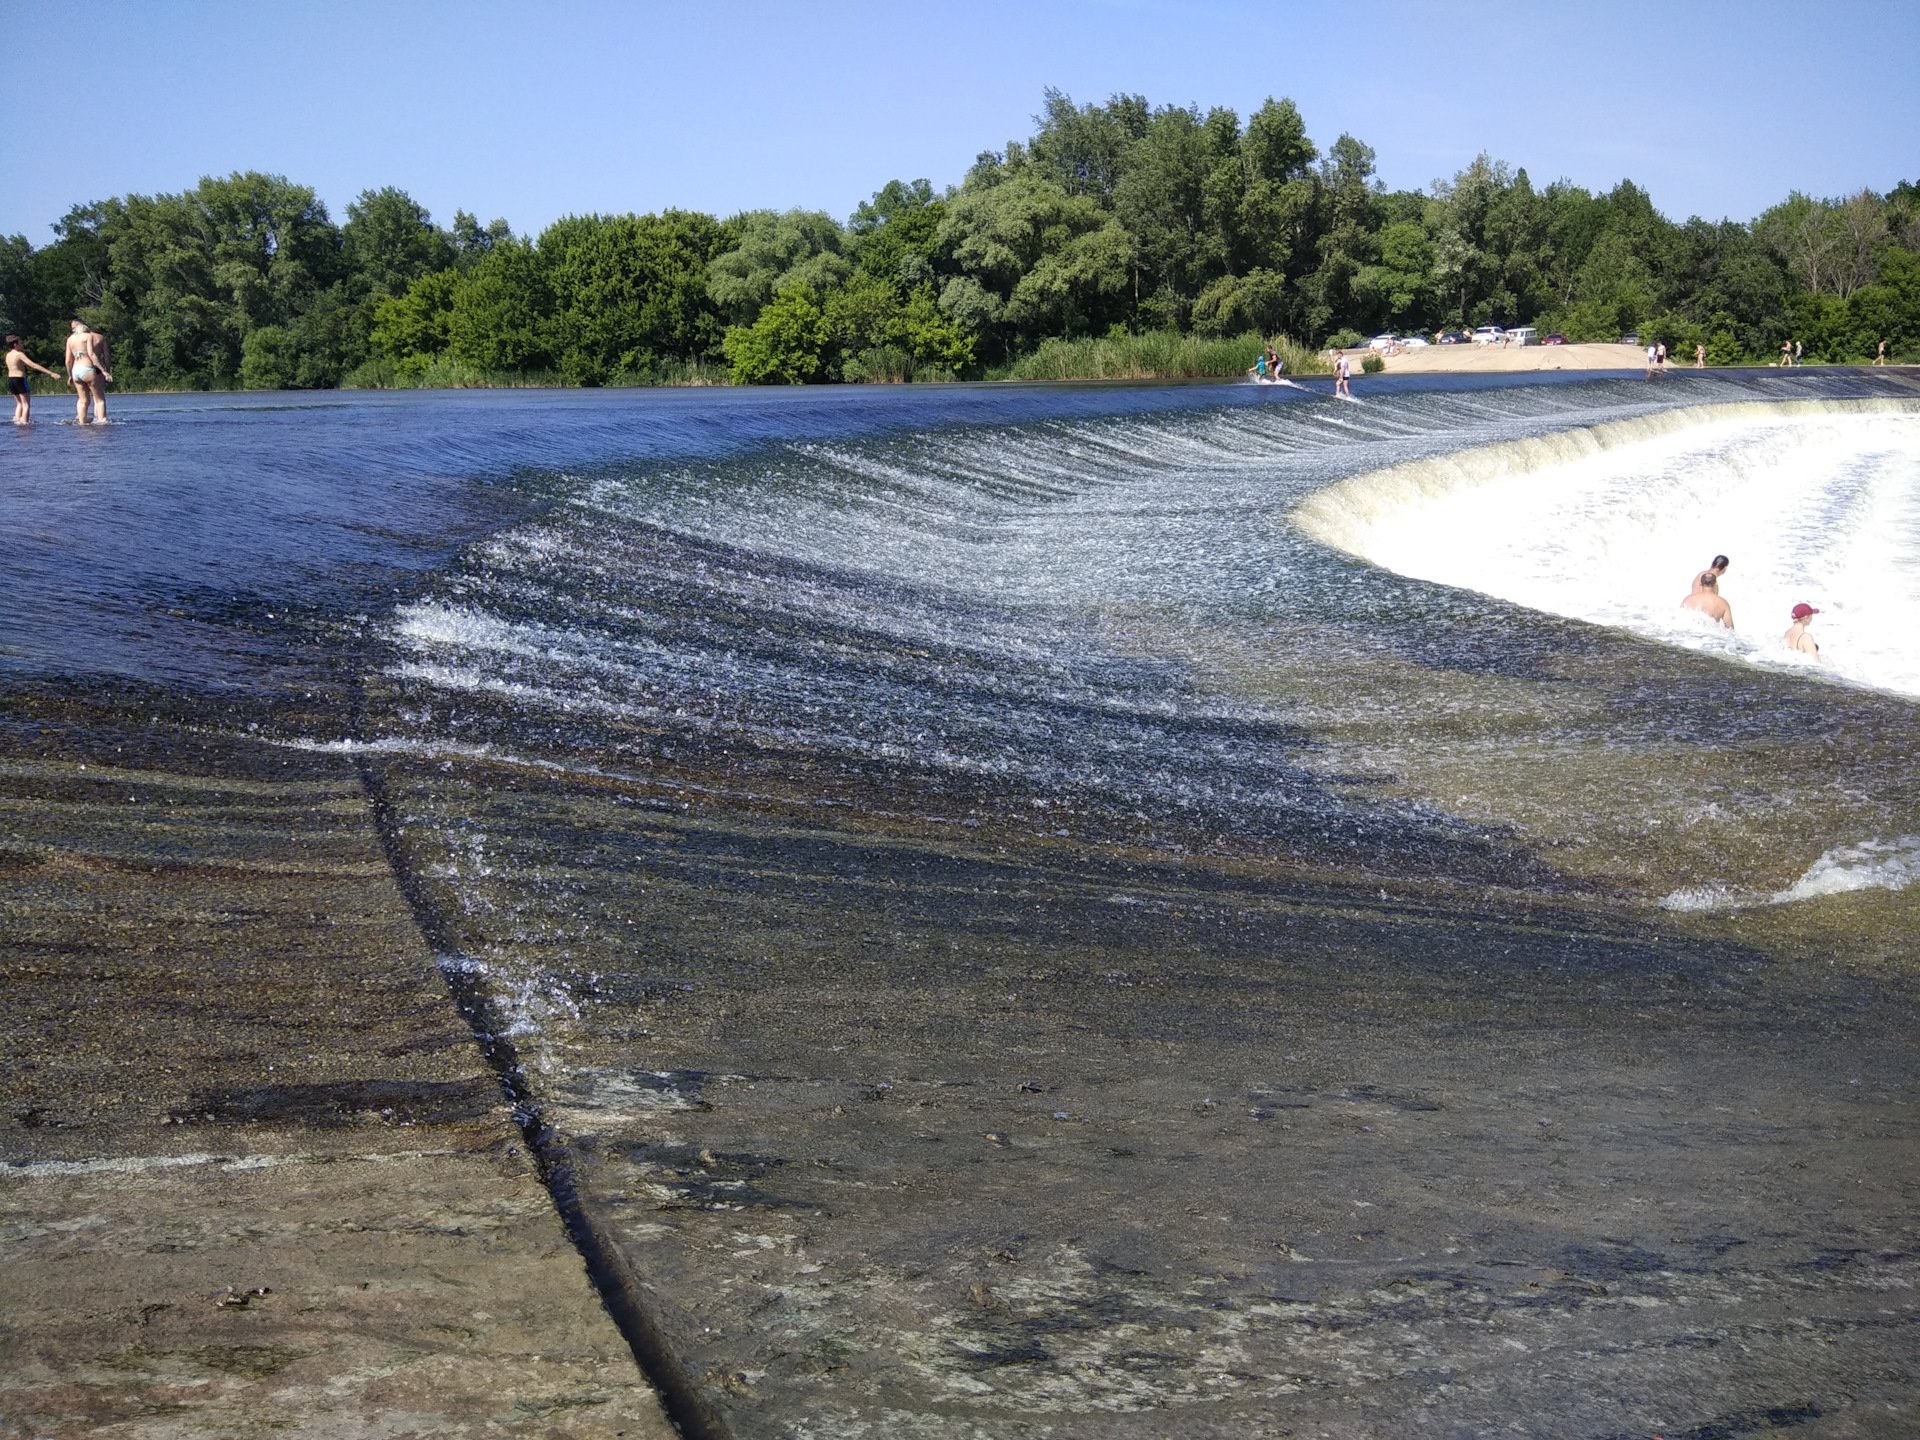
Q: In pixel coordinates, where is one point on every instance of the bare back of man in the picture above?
(1708, 602)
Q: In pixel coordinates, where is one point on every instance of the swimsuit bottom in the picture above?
(83, 372)
(17, 385)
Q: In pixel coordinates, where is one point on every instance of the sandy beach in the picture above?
(1493, 359)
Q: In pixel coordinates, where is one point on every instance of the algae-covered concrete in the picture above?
(950, 1131)
(255, 1175)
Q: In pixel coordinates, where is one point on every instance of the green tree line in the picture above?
(1108, 221)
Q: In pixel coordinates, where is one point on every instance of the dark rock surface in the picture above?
(255, 1177)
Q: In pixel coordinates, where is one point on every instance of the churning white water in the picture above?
(1816, 502)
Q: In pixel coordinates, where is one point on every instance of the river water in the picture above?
(792, 735)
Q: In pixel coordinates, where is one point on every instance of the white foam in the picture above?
(1815, 501)
(1871, 865)
(1868, 865)
(143, 1164)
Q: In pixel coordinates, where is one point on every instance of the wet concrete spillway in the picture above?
(975, 912)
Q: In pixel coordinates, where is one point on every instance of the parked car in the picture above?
(1414, 342)
(1629, 339)
(1454, 337)
(1555, 339)
(1382, 342)
(1489, 335)
(1523, 335)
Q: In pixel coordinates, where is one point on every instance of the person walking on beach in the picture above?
(1699, 357)
(1797, 353)
(1786, 352)
(1880, 355)
(1342, 373)
(1797, 637)
(87, 369)
(18, 385)
(1706, 599)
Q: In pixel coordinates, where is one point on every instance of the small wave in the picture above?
(1869, 865)
(1872, 865)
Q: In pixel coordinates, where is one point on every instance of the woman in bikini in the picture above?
(87, 369)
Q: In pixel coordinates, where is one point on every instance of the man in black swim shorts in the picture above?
(17, 366)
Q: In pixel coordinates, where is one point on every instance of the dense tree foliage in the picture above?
(1109, 219)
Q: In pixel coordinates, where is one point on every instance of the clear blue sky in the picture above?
(531, 111)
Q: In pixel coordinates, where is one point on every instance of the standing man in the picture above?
(1786, 353)
(1797, 637)
(1342, 372)
(17, 384)
(87, 369)
(1797, 353)
(1699, 357)
(1880, 355)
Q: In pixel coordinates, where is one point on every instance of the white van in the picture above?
(1523, 335)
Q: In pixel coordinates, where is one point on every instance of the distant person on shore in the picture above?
(1880, 355)
(1653, 355)
(1797, 637)
(1342, 373)
(1786, 352)
(1798, 353)
(1699, 357)
(1662, 357)
(18, 385)
(87, 369)
(1705, 598)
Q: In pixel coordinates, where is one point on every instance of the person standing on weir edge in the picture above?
(1342, 372)
(87, 369)
(1699, 357)
(18, 385)
(1797, 353)
(1786, 353)
(1880, 355)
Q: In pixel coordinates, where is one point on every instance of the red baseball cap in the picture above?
(1803, 610)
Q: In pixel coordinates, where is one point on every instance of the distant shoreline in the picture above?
(1426, 360)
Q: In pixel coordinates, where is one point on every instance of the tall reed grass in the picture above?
(1155, 355)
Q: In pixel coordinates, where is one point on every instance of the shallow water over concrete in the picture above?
(995, 933)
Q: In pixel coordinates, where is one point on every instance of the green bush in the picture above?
(880, 365)
(1372, 364)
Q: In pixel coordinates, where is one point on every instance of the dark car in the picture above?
(1554, 340)
(1629, 339)
(1454, 337)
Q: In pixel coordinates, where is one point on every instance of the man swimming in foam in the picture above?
(1706, 599)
